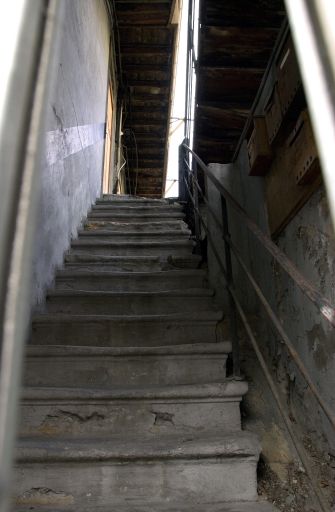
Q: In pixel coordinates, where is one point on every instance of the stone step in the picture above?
(130, 281)
(131, 231)
(131, 303)
(96, 262)
(118, 198)
(106, 367)
(96, 472)
(130, 237)
(51, 411)
(46, 496)
(137, 208)
(132, 217)
(138, 227)
(121, 330)
(140, 248)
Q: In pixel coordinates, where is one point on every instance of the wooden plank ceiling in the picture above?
(146, 47)
(235, 43)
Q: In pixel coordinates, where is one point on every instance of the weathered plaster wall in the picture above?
(308, 241)
(74, 142)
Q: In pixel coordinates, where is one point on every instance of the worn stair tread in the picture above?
(132, 214)
(152, 506)
(105, 258)
(229, 389)
(131, 198)
(84, 351)
(154, 274)
(136, 207)
(105, 203)
(166, 225)
(188, 292)
(199, 316)
(134, 448)
(162, 243)
(110, 233)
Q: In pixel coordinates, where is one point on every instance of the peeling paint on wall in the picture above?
(74, 141)
(308, 240)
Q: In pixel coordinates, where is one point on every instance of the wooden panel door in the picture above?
(106, 179)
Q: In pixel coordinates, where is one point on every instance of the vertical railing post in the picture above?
(196, 206)
(231, 304)
(182, 173)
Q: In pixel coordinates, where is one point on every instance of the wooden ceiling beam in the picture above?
(239, 104)
(140, 67)
(146, 49)
(148, 2)
(148, 83)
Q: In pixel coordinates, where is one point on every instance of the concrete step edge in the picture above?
(231, 390)
(122, 506)
(105, 215)
(236, 445)
(127, 197)
(111, 233)
(134, 207)
(145, 275)
(219, 348)
(180, 318)
(168, 259)
(173, 222)
(181, 293)
(101, 243)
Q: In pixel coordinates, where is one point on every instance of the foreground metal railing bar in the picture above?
(237, 305)
(46, 16)
(312, 25)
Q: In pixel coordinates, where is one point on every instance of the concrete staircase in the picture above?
(126, 405)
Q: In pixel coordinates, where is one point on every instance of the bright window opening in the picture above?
(177, 119)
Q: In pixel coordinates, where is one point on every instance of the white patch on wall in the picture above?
(60, 144)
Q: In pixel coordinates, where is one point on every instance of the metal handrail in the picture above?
(296, 442)
(191, 184)
(281, 258)
(271, 314)
(324, 306)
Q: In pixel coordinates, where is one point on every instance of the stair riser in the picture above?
(118, 334)
(104, 372)
(126, 266)
(116, 227)
(99, 264)
(136, 250)
(122, 305)
(98, 483)
(59, 418)
(124, 198)
(132, 239)
(134, 204)
(128, 283)
(135, 218)
(116, 267)
(137, 209)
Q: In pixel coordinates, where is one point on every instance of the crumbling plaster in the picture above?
(308, 240)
